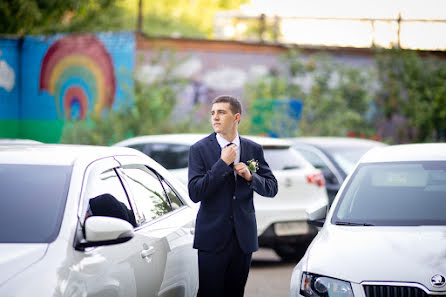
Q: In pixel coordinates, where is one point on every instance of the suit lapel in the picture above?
(213, 144)
(243, 150)
(243, 155)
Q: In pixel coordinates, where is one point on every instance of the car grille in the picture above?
(394, 291)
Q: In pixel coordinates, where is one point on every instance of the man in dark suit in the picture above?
(219, 178)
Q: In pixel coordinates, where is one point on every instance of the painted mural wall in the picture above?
(209, 73)
(217, 68)
(9, 90)
(61, 78)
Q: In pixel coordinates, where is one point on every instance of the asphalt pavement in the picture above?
(269, 275)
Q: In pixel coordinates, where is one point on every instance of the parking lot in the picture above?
(269, 276)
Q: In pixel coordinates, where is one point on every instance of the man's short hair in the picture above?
(234, 103)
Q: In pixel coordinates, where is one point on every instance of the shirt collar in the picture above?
(223, 142)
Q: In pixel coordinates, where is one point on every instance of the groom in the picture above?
(226, 230)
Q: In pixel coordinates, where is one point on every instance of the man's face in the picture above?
(223, 120)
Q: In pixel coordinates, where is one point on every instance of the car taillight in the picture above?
(316, 177)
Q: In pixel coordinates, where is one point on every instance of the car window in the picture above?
(409, 193)
(139, 147)
(170, 156)
(147, 191)
(312, 157)
(319, 163)
(280, 158)
(174, 199)
(33, 202)
(347, 156)
(106, 197)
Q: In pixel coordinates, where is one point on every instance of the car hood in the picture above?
(17, 257)
(399, 254)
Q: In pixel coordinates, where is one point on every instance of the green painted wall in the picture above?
(48, 131)
(9, 128)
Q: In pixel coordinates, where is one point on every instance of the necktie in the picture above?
(232, 164)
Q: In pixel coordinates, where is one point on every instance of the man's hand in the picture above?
(242, 170)
(228, 154)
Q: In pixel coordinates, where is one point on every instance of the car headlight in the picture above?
(313, 285)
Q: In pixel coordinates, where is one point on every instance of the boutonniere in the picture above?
(253, 165)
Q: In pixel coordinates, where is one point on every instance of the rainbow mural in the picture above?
(78, 71)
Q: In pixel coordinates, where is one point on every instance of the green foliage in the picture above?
(336, 98)
(186, 18)
(413, 87)
(192, 18)
(110, 15)
(50, 16)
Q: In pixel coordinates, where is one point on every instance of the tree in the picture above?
(49, 16)
(185, 18)
(414, 88)
(160, 18)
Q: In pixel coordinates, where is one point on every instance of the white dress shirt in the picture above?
(223, 142)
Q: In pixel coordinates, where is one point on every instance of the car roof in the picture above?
(57, 154)
(17, 141)
(327, 141)
(190, 139)
(406, 152)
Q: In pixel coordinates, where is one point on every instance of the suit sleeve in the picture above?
(203, 184)
(263, 181)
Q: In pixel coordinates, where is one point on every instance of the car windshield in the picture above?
(283, 158)
(170, 156)
(347, 156)
(394, 194)
(33, 201)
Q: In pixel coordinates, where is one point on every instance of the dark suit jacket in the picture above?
(212, 182)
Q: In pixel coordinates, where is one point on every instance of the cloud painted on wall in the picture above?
(78, 71)
(189, 68)
(7, 76)
(150, 73)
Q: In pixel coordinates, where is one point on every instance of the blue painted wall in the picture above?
(92, 73)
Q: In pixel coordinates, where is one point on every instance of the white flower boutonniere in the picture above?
(253, 165)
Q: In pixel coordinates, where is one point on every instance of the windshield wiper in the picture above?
(342, 223)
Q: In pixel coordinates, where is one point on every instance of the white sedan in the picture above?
(282, 221)
(385, 234)
(93, 221)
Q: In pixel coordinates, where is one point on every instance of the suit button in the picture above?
(231, 217)
(234, 197)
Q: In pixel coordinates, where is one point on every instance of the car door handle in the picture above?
(147, 253)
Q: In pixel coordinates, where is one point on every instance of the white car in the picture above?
(282, 221)
(93, 221)
(14, 141)
(385, 234)
(334, 156)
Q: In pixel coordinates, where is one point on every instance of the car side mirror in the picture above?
(106, 231)
(316, 217)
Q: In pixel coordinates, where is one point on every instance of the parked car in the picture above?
(281, 222)
(385, 232)
(93, 221)
(334, 156)
(4, 141)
